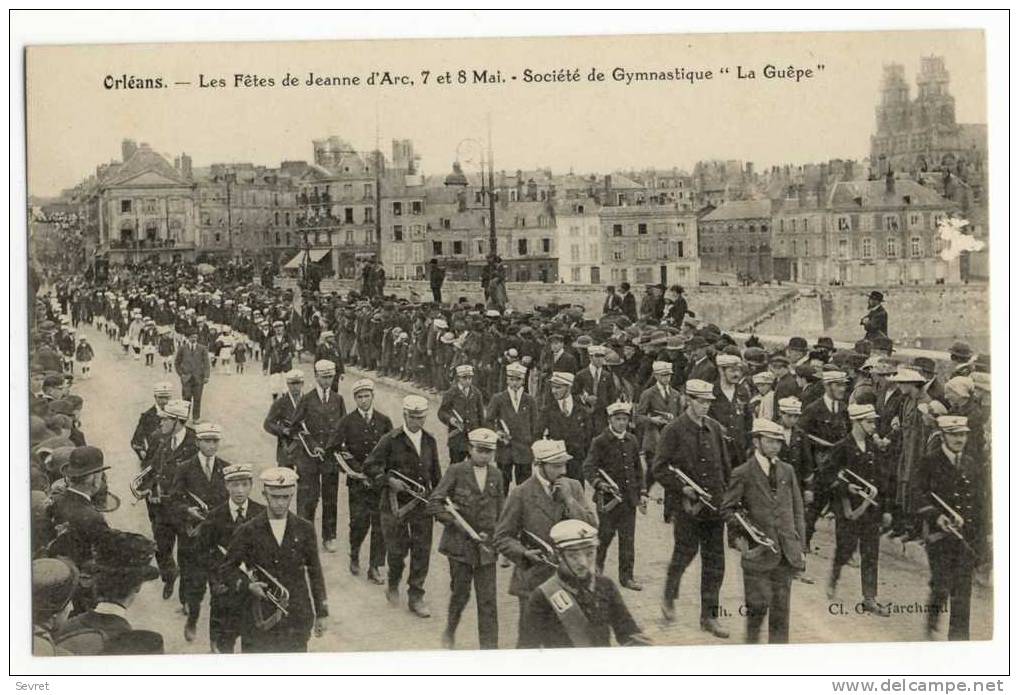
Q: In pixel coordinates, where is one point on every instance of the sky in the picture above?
(74, 122)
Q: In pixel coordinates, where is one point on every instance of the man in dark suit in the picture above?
(281, 414)
(357, 434)
(614, 468)
(826, 422)
(785, 381)
(277, 357)
(413, 454)
(556, 358)
(696, 445)
(146, 432)
(318, 414)
(198, 486)
(474, 490)
(462, 411)
(327, 349)
(81, 523)
(513, 414)
(875, 323)
(702, 365)
(731, 406)
(530, 512)
(284, 545)
(859, 521)
(596, 388)
(658, 405)
(230, 601)
(765, 493)
(629, 302)
(192, 365)
(567, 420)
(123, 563)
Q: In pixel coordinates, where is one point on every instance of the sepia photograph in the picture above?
(506, 343)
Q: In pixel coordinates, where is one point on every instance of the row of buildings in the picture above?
(868, 222)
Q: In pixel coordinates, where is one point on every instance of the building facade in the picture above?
(579, 240)
(735, 239)
(649, 244)
(799, 243)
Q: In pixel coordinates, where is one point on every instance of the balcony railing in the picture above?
(149, 244)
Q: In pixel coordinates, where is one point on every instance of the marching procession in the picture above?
(560, 430)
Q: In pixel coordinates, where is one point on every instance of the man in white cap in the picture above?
(731, 405)
(951, 476)
(229, 599)
(615, 470)
(317, 416)
(595, 387)
(177, 444)
(474, 489)
(198, 486)
(462, 410)
(355, 438)
(764, 490)
(565, 419)
(146, 432)
(577, 606)
(284, 545)
(531, 510)
(762, 403)
(408, 453)
(281, 414)
(825, 422)
(277, 357)
(862, 499)
(514, 414)
(795, 447)
(695, 444)
(659, 405)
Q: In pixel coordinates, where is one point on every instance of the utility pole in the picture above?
(229, 221)
(492, 245)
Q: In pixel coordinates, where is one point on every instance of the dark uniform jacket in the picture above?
(78, 525)
(604, 391)
(566, 362)
(189, 477)
(530, 508)
(701, 452)
(395, 451)
(651, 404)
(479, 507)
(523, 426)
(875, 323)
(278, 355)
(600, 602)
(254, 544)
(787, 386)
(359, 437)
(847, 455)
(277, 421)
(165, 462)
(734, 417)
(620, 459)
(470, 408)
(705, 370)
(573, 429)
(88, 633)
(965, 487)
(777, 512)
(819, 421)
(321, 417)
(796, 452)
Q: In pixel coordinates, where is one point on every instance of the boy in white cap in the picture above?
(767, 573)
(408, 452)
(861, 512)
(577, 606)
(317, 416)
(696, 445)
(229, 602)
(514, 414)
(462, 410)
(474, 488)
(259, 543)
(731, 405)
(825, 421)
(615, 470)
(795, 447)
(531, 510)
(950, 475)
(356, 436)
(659, 405)
(145, 436)
(198, 486)
(565, 419)
(281, 414)
(595, 387)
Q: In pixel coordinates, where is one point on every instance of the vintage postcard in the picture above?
(509, 343)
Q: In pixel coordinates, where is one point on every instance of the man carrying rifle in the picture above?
(317, 416)
(659, 405)
(146, 433)
(198, 486)
(825, 423)
(230, 601)
(565, 419)
(462, 411)
(532, 508)
(692, 464)
(468, 501)
(862, 495)
(613, 467)
(577, 606)
(281, 413)
(952, 496)
(355, 438)
(764, 510)
(404, 468)
(514, 414)
(278, 554)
